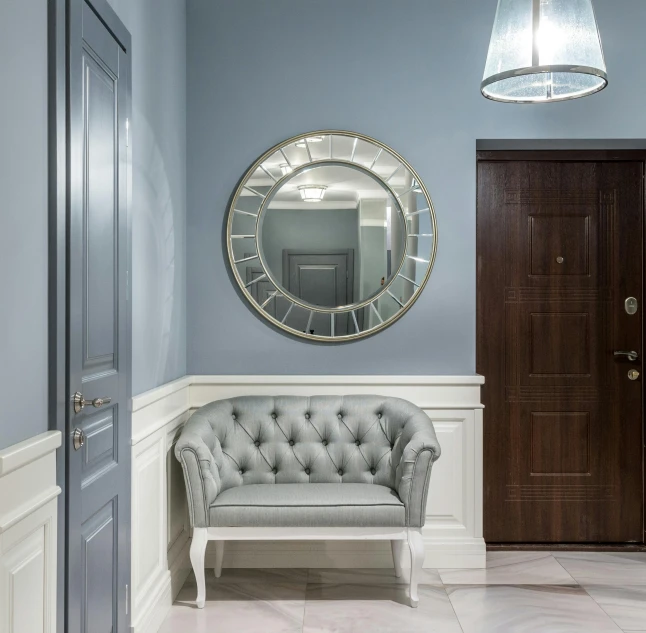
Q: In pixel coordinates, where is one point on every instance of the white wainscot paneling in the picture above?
(28, 510)
(160, 524)
(161, 530)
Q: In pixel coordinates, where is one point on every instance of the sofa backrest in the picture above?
(292, 439)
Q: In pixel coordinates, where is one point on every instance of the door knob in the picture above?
(78, 438)
(80, 402)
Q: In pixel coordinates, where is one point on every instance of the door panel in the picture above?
(98, 471)
(99, 253)
(559, 250)
(323, 279)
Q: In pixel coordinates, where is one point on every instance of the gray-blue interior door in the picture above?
(98, 477)
(322, 279)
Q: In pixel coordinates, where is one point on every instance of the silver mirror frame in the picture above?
(267, 274)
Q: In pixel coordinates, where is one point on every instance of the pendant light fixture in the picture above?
(312, 193)
(543, 51)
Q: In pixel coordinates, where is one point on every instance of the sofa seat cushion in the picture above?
(307, 505)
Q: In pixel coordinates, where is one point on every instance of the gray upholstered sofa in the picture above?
(326, 467)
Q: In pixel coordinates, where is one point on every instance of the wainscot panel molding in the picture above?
(28, 510)
(161, 528)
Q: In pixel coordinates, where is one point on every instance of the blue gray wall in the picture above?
(23, 219)
(158, 29)
(407, 73)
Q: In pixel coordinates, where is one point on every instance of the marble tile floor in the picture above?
(518, 592)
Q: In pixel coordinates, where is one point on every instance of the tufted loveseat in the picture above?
(325, 467)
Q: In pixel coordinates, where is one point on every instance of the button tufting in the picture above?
(357, 443)
(324, 442)
(274, 470)
(291, 442)
(372, 471)
(233, 415)
(273, 415)
(379, 415)
(256, 443)
(339, 416)
(307, 471)
(340, 471)
(241, 471)
(307, 416)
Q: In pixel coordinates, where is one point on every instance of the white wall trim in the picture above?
(29, 450)
(161, 532)
(28, 557)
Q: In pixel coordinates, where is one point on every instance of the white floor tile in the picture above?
(528, 609)
(605, 568)
(626, 605)
(511, 568)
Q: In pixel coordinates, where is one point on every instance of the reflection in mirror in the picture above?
(331, 235)
(334, 249)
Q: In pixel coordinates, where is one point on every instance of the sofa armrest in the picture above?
(419, 450)
(201, 473)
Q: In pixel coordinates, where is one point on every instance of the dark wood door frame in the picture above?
(584, 155)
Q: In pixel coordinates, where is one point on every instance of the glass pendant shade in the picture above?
(312, 193)
(543, 51)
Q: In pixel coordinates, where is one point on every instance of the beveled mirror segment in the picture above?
(331, 236)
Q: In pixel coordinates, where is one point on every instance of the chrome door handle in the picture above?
(629, 355)
(78, 438)
(80, 402)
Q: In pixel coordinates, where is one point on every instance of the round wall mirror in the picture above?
(331, 236)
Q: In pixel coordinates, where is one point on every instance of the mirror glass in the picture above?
(331, 236)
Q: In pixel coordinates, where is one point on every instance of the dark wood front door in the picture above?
(559, 250)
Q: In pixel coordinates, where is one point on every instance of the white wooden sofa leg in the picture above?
(219, 555)
(416, 546)
(198, 550)
(397, 547)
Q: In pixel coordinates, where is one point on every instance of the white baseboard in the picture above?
(162, 593)
(161, 531)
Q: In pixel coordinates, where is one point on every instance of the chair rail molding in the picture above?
(28, 513)
(161, 530)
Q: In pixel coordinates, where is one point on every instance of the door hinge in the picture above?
(127, 132)
(127, 599)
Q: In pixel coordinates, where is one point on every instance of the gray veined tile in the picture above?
(528, 609)
(248, 607)
(626, 605)
(605, 568)
(511, 568)
(374, 576)
(244, 590)
(236, 576)
(356, 608)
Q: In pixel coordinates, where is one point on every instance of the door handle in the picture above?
(629, 355)
(80, 402)
(78, 438)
